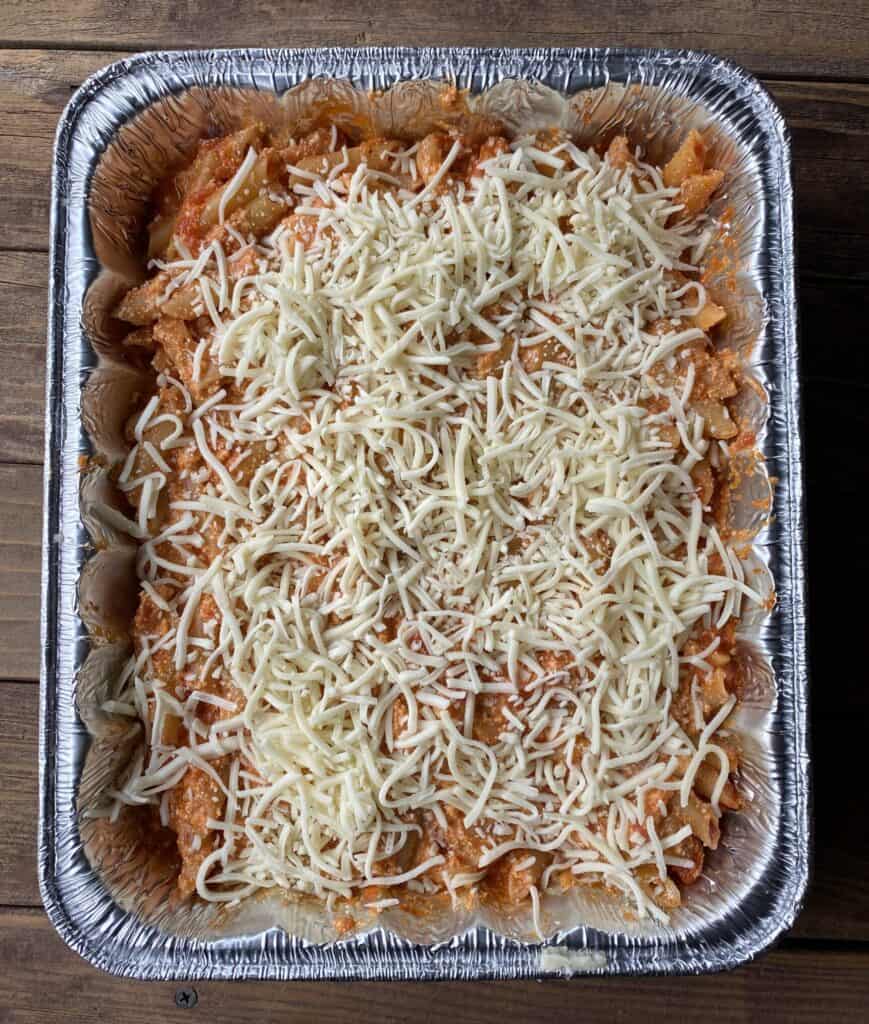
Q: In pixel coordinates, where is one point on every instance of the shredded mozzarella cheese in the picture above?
(438, 588)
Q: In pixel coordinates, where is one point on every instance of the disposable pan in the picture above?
(119, 134)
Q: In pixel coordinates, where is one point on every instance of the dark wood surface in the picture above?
(814, 57)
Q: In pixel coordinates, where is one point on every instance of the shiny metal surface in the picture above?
(754, 886)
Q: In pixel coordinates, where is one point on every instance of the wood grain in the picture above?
(18, 769)
(42, 974)
(836, 372)
(830, 125)
(824, 38)
(23, 306)
(20, 556)
(34, 89)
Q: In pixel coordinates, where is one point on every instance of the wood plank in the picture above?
(41, 975)
(810, 37)
(23, 311)
(836, 421)
(18, 769)
(35, 86)
(20, 560)
(830, 124)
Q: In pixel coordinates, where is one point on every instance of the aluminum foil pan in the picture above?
(119, 134)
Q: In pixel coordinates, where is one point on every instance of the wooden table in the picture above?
(814, 57)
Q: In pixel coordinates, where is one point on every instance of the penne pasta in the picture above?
(703, 821)
(663, 891)
(141, 306)
(690, 849)
(709, 316)
(696, 191)
(619, 152)
(688, 160)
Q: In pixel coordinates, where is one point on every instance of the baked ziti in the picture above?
(438, 600)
